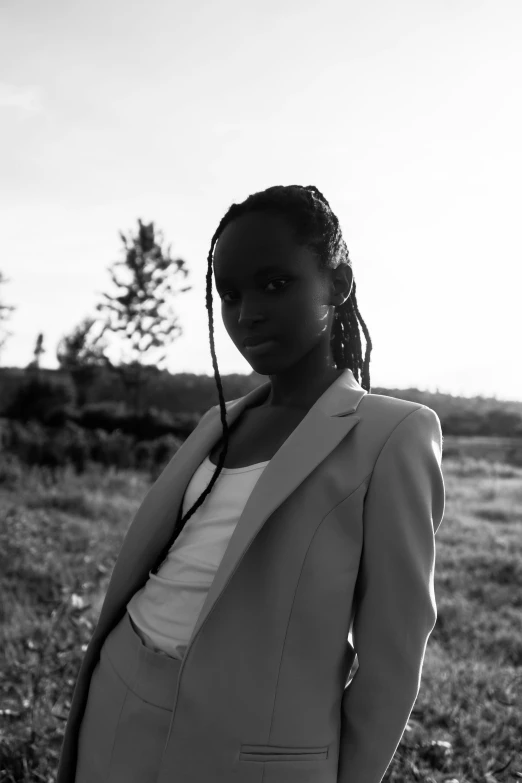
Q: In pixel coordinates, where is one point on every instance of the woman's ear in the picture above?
(342, 278)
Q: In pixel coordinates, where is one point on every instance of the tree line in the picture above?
(139, 314)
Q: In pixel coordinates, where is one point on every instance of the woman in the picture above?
(306, 515)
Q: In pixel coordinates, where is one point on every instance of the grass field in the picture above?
(59, 542)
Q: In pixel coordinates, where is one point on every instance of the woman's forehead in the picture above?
(256, 244)
(254, 236)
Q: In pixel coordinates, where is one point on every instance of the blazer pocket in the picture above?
(281, 753)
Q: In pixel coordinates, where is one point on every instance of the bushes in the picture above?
(35, 444)
(45, 428)
(52, 401)
(149, 425)
(39, 397)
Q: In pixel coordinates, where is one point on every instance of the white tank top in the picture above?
(165, 610)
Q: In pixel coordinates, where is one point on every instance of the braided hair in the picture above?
(315, 225)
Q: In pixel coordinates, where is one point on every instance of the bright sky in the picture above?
(406, 115)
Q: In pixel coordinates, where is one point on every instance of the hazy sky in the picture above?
(406, 115)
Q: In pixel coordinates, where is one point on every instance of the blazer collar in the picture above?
(340, 398)
(325, 425)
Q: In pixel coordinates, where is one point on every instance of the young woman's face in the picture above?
(272, 289)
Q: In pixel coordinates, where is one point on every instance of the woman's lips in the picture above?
(256, 340)
(264, 347)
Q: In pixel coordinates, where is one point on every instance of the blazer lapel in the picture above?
(325, 425)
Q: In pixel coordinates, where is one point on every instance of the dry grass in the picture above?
(58, 545)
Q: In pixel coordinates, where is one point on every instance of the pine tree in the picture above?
(38, 352)
(141, 312)
(82, 355)
(5, 311)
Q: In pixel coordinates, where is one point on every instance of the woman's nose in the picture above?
(250, 311)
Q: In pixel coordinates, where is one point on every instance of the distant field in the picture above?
(58, 544)
(477, 447)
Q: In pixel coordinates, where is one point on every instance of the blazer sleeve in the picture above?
(395, 608)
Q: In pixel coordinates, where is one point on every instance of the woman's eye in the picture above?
(275, 280)
(278, 280)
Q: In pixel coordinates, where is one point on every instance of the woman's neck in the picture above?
(300, 398)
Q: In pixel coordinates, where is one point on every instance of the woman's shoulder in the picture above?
(386, 411)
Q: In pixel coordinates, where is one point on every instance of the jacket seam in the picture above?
(295, 593)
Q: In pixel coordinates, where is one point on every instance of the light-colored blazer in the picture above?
(337, 539)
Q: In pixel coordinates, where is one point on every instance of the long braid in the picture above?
(315, 225)
(346, 339)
